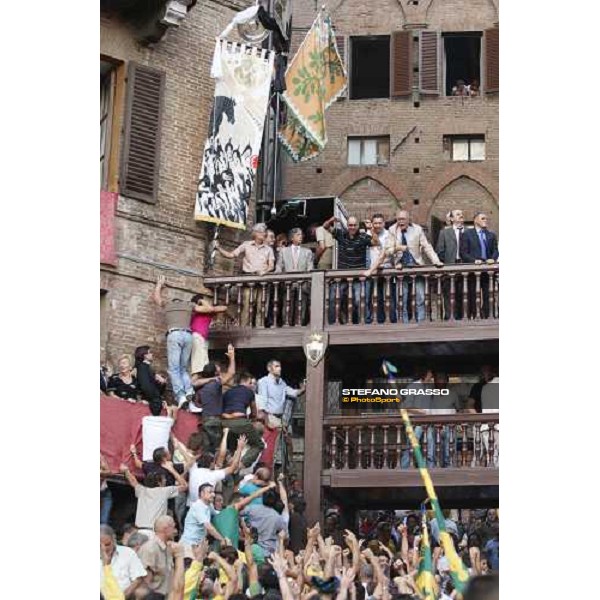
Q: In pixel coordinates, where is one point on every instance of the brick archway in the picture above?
(385, 178)
(451, 174)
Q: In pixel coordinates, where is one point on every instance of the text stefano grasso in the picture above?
(396, 392)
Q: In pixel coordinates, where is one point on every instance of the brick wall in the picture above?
(440, 184)
(164, 234)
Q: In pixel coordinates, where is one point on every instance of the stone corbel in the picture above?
(175, 12)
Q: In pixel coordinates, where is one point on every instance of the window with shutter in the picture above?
(141, 146)
(401, 64)
(429, 62)
(340, 40)
(492, 70)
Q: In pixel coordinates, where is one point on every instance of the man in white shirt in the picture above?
(373, 254)
(204, 470)
(125, 564)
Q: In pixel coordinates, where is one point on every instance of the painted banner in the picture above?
(235, 131)
(314, 80)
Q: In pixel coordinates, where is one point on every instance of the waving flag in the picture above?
(315, 78)
(425, 580)
(458, 572)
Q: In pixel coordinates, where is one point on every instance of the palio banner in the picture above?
(243, 75)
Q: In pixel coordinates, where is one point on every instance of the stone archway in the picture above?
(467, 193)
(384, 187)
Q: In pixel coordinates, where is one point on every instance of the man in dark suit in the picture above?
(479, 245)
(448, 250)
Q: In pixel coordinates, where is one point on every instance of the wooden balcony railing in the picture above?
(459, 441)
(468, 292)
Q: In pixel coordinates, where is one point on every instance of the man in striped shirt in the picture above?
(352, 254)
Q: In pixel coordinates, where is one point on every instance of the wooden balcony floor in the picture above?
(385, 333)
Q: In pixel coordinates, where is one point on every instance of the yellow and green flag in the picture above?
(315, 78)
(425, 579)
(458, 572)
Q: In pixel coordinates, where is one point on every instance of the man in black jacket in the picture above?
(151, 384)
(479, 245)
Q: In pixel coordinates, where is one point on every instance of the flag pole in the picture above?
(458, 572)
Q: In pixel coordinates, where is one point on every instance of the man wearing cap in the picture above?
(199, 324)
(258, 260)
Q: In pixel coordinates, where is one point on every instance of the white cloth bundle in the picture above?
(155, 434)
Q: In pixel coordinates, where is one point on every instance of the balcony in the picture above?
(276, 306)
(368, 458)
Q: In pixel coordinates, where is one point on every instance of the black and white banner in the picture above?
(231, 151)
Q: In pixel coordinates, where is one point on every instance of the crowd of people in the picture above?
(242, 533)
(369, 246)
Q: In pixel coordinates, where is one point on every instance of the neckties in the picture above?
(458, 236)
(482, 244)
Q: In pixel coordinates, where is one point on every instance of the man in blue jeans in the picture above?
(179, 341)
(352, 254)
(406, 246)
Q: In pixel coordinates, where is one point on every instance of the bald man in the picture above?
(157, 557)
(407, 246)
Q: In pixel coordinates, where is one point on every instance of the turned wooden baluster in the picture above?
(399, 296)
(398, 446)
(227, 294)
(439, 305)
(477, 447)
(478, 302)
(240, 302)
(252, 308)
(372, 446)
(424, 441)
(333, 447)
(386, 455)
(360, 449)
(438, 446)
(413, 299)
(349, 303)
(490, 284)
(387, 299)
(263, 305)
(346, 446)
(276, 287)
(288, 304)
(427, 300)
(362, 301)
(298, 314)
(497, 295)
(465, 442)
(465, 298)
(452, 296)
(491, 445)
(338, 301)
(410, 448)
(452, 442)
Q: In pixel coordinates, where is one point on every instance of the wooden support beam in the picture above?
(315, 400)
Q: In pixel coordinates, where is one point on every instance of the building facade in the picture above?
(156, 97)
(399, 138)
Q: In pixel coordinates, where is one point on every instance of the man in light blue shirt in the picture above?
(197, 522)
(274, 390)
(276, 413)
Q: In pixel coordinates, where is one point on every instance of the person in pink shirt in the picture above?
(199, 325)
